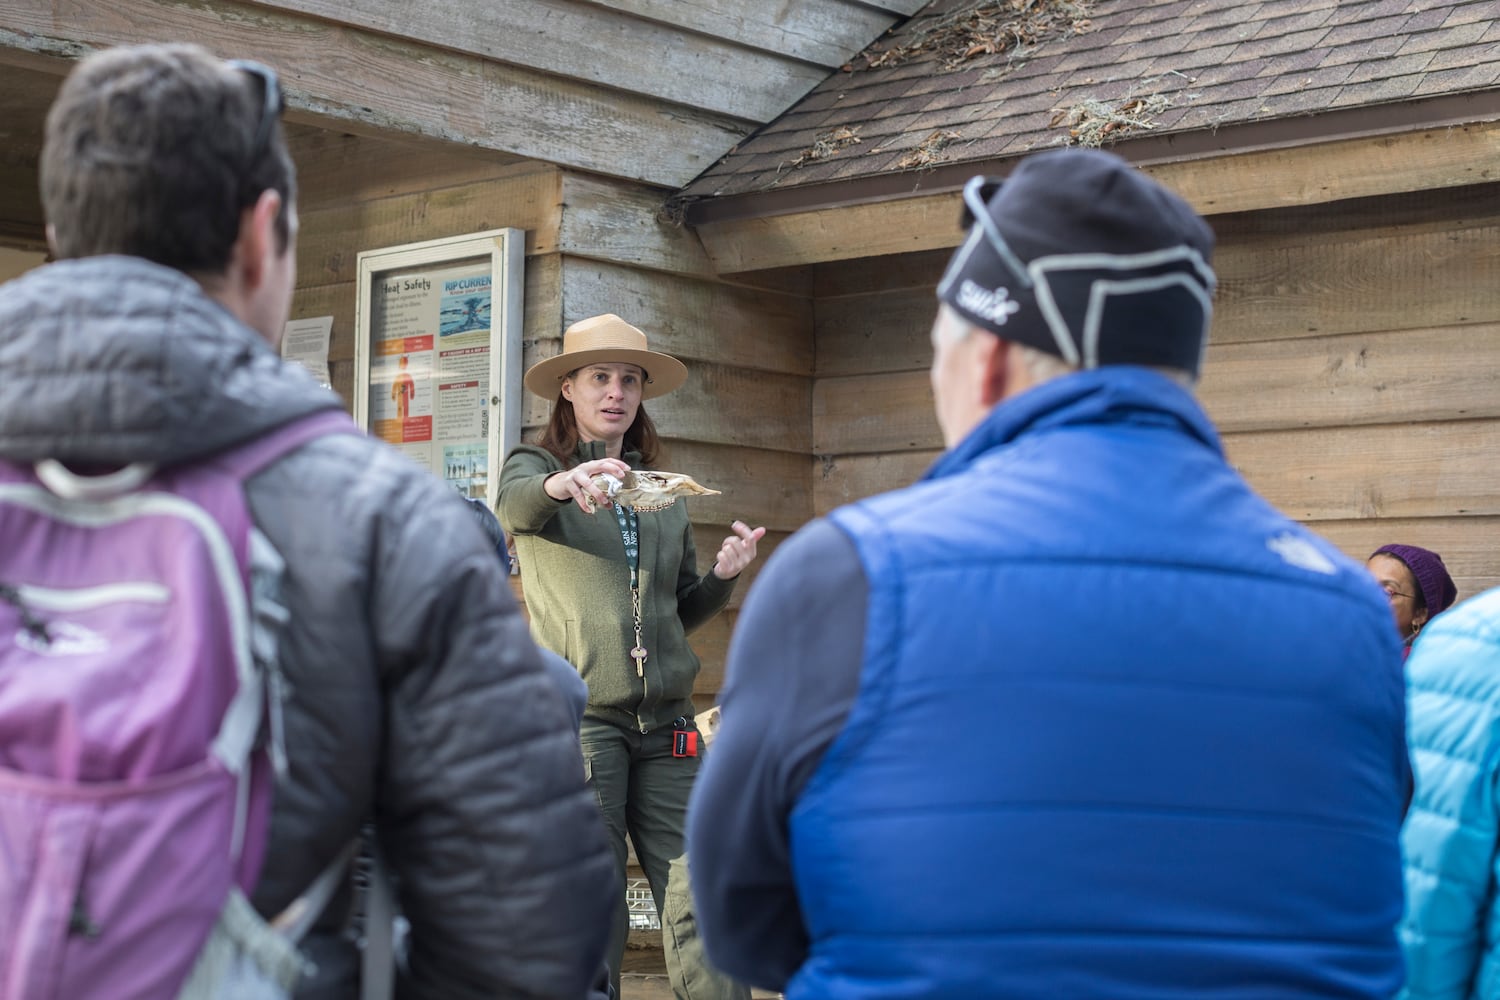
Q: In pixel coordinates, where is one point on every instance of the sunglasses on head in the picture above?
(272, 106)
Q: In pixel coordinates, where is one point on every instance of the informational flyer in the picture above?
(430, 370)
(305, 341)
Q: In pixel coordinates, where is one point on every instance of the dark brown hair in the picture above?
(560, 436)
(151, 151)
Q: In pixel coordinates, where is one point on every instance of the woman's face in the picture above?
(605, 399)
(1401, 587)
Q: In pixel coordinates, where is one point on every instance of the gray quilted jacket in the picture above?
(417, 694)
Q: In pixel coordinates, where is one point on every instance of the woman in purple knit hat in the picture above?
(1417, 583)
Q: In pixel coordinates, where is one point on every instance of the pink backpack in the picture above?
(137, 668)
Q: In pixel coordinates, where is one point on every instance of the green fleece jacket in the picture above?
(577, 587)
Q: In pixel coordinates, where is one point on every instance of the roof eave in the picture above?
(1143, 149)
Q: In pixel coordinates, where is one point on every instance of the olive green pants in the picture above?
(643, 793)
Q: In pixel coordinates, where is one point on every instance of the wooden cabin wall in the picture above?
(1353, 370)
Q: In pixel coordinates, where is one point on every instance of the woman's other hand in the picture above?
(738, 551)
(577, 483)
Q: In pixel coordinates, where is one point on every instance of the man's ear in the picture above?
(256, 246)
(996, 367)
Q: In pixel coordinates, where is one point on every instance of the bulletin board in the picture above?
(438, 353)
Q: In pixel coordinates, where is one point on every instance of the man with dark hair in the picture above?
(1078, 714)
(417, 699)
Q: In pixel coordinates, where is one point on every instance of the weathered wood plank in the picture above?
(16, 261)
(708, 537)
(826, 32)
(757, 486)
(860, 414)
(726, 406)
(21, 213)
(1467, 544)
(338, 166)
(1387, 281)
(733, 406)
(1448, 373)
(871, 229)
(881, 332)
(711, 643)
(689, 318)
(921, 270)
(334, 234)
(1401, 470)
(1332, 171)
(1408, 471)
(25, 238)
(841, 479)
(341, 377)
(1239, 182)
(355, 80)
(784, 280)
(1332, 222)
(903, 7)
(616, 221)
(596, 44)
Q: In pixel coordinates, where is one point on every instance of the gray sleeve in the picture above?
(793, 675)
(417, 691)
(500, 854)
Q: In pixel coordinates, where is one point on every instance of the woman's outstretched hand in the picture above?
(738, 551)
(577, 483)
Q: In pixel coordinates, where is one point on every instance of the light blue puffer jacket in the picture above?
(1451, 931)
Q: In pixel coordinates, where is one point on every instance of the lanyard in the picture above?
(630, 536)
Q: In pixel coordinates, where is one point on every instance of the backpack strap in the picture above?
(298, 918)
(240, 728)
(247, 459)
(377, 979)
(71, 486)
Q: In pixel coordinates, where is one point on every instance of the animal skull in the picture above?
(648, 491)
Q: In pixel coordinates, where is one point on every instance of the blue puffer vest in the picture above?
(1123, 730)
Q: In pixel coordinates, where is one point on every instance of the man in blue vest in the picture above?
(1078, 714)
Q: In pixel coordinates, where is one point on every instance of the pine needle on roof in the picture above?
(929, 151)
(826, 144)
(1091, 121)
(987, 27)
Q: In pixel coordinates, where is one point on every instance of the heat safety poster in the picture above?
(430, 370)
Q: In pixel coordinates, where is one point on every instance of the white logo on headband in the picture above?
(996, 306)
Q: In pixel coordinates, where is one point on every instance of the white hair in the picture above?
(1044, 366)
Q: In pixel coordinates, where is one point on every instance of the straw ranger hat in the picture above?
(602, 339)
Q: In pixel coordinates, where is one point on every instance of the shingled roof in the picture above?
(976, 80)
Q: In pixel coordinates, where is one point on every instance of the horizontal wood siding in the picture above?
(651, 91)
(824, 33)
(595, 44)
(1353, 371)
(1261, 180)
